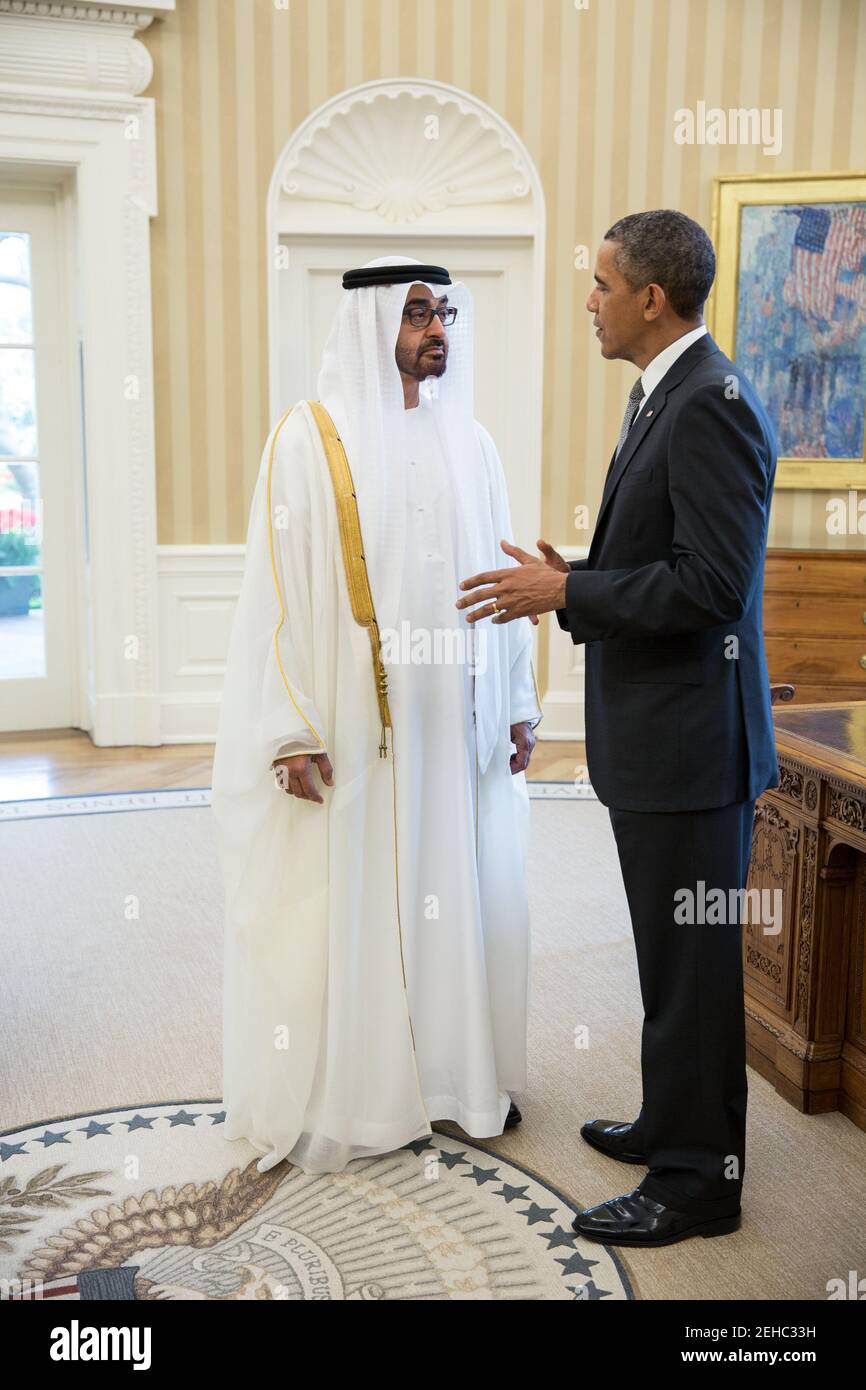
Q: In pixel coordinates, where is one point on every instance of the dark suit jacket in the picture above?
(677, 711)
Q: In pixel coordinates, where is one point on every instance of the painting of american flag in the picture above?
(801, 323)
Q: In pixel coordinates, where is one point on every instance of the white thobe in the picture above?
(460, 841)
(445, 946)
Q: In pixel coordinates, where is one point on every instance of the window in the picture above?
(22, 637)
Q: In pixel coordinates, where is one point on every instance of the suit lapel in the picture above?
(653, 407)
(638, 432)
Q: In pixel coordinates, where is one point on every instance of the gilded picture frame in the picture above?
(789, 306)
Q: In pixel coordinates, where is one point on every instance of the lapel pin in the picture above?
(648, 414)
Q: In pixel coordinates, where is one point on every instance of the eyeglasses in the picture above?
(419, 317)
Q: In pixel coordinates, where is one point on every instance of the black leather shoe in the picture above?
(636, 1219)
(613, 1137)
(513, 1117)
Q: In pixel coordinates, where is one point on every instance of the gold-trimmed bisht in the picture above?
(357, 579)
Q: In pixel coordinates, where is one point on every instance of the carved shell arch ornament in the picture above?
(403, 149)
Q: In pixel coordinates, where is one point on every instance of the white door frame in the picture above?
(43, 208)
(67, 106)
(408, 155)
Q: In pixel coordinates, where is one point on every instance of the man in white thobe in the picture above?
(377, 935)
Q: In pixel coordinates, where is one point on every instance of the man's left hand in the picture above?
(524, 740)
(520, 591)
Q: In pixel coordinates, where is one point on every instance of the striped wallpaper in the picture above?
(591, 89)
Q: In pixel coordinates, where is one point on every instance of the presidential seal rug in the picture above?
(152, 1203)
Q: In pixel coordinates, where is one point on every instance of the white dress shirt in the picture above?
(664, 360)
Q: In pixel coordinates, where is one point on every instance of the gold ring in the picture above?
(496, 607)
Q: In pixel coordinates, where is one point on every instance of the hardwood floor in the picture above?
(64, 762)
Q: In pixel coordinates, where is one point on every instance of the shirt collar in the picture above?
(664, 360)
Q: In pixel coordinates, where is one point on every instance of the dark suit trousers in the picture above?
(692, 1124)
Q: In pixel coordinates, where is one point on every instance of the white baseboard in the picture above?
(198, 590)
(122, 719)
(189, 718)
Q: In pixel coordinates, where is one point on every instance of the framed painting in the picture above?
(789, 306)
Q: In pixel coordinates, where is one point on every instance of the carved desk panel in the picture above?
(805, 982)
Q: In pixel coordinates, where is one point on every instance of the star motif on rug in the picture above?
(576, 1264)
(93, 1128)
(511, 1194)
(49, 1138)
(139, 1122)
(589, 1292)
(558, 1236)
(483, 1175)
(451, 1160)
(420, 1146)
(534, 1213)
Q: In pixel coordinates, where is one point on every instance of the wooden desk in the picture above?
(806, 986)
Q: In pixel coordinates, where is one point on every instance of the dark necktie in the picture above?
(635, 396)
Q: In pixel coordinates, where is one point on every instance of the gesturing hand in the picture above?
(295, 775)
(524, 590)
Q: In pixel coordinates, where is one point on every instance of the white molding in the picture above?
(49, 45)
(197, 559)
(105, 145)
(106, 11)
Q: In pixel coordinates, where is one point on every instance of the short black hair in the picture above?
(666, 248)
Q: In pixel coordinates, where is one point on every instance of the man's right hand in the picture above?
(295, 775)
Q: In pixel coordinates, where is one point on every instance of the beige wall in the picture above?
(591, 92)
